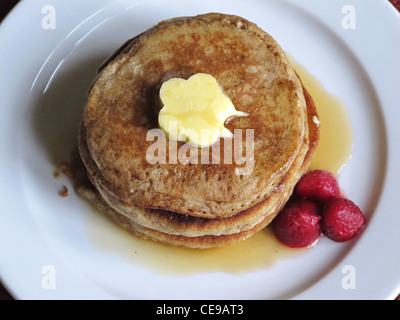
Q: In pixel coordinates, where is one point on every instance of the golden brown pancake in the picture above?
(253, 71)
(183, 230)
(204, 205)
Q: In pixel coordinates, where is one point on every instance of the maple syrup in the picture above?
(336, 134)
(259, 251)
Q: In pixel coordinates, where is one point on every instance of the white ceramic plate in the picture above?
(45, 70)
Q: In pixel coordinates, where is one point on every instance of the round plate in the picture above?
(48, 59)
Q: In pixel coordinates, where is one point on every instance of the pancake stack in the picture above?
(196, 205)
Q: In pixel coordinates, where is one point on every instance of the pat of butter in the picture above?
(195, 110)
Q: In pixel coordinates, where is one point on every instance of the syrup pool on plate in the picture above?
(336, 134)
(260, 251)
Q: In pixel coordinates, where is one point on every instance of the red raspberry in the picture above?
(298, 224)
(318, 185)
(342, 220)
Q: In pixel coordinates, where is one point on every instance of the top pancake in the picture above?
(254, 73)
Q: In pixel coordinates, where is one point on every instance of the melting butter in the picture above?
(195, 110)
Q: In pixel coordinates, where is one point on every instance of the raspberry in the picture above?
(298, 224)
(318, 185)
(342, 219)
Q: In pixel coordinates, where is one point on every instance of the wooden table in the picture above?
(5, 7)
